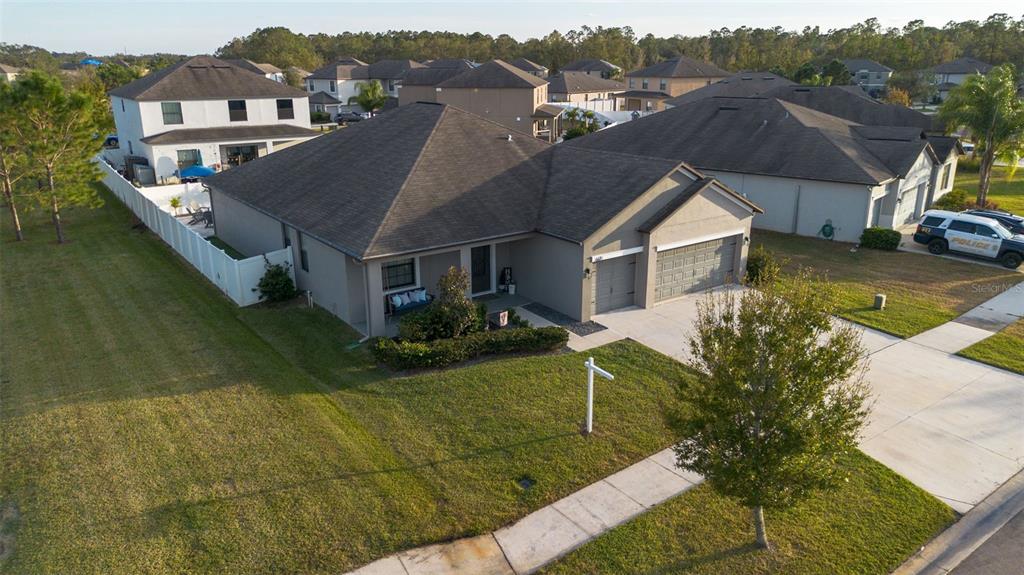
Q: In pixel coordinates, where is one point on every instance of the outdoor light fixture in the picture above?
(586, 273)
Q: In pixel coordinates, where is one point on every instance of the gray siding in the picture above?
(434, 266)
(327, 277)
(243, 228)
(550, 271)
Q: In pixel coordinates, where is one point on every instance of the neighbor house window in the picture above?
(187, 158)
(945, 176)
(398, 274)
(311, 86)
(285, 110)
(643, 84)
(285, 238)
(663, 85)
(303, 257)
(332, 85)
(236, 111)
(172, 112)
(632, 83)
(391, 85)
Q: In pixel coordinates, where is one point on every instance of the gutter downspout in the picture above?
(796, 211)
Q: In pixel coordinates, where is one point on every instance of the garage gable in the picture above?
(705, 206)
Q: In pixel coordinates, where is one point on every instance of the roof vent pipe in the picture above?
(510, 137)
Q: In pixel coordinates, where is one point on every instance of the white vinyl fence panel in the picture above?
(236, 278)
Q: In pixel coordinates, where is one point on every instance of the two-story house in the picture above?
(583, 90)
(949, 75)
(593, 67)
(420, 84)
(648, 88)
(504, 94)
(869, 75)
(339, 79)
(530, 67)
(204, 111)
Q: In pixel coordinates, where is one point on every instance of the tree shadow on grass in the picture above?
(688, 564)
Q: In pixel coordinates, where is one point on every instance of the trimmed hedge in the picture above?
(401, 355)
(880, 239)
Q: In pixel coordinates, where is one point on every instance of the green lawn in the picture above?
(882, 520)
(1008, 195)
(923, 291)
(148, 425)
(1004, 349)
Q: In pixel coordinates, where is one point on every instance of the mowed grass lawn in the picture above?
(1009, 195)
(150, 426)
(870, 525)
(922, 291)
(1004, 349)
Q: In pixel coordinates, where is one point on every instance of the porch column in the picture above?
(375, 324)
(466, 263)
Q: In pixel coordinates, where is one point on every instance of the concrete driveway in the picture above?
(952, 426)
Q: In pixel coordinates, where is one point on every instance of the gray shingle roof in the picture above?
(963, 66)
(204, 78)
(322, 97)
(528, 65)
(341, 69)
(226, 133)
(580, 83)
(852, 104)
(429, 76)
(758, 135)
(392, 69)
(255, 68)
(494, 74)
(681, 67)
(855, 65)
(742, 84)
(429, 176)
(457, 63)
(591, 65)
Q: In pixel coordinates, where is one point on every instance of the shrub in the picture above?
(319, 117)
(968, 164)
(959, 200)
(762, 267)
(276, 285)
(402, 355)
(880, 239)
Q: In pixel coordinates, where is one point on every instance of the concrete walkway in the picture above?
(552, 531)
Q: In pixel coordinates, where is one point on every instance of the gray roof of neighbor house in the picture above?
(681, 67)
(963, 66)
(528, 65)
(392, 69)
(457, 63)
(494, 74)
(432, 176)
(322, 97)
(341, 69)
(226, 133)
(855, 65)
(852, 104)
(429, 76)
(945, 145)
(590, 65)
(580, 83)
(741, 84)
(204, 78)
(254, 67)
(766, 136)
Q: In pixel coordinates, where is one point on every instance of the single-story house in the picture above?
(324, 103)
(812, 172)
(580, 231)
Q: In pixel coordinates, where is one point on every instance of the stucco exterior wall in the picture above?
(847, 205)
(327, 277)
(343, 89)
(550, 271)
(512, 108)
(434, 266)
(244, 228)
(214, 113)
(413, 94)
(128, 124)
(673, 86)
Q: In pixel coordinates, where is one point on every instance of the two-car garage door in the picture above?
(694, 268)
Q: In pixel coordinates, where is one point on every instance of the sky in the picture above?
(194, 27)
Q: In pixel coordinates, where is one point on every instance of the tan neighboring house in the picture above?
(581, 88)
(504, 94)
(649, 87)
(420, 84)
(593, 67)
(9, 73)
(530, 67)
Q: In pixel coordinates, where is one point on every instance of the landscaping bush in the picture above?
(319, 117)
(402, 355)
(434, 322)
(959, 200)
(968, 164)
(762, 266)
(880, 239)
(276, 285)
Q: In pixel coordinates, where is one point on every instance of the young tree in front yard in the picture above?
(59, 129)
(371, 96)
(990, 109)
(778, 398)
(13, 158)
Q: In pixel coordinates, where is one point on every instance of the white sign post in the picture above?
(591, 368)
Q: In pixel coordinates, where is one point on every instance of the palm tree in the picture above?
(988, 107)
(371, 96)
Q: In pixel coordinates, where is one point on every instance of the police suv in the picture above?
(971, 235)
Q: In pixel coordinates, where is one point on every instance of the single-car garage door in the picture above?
(615, 284)
(694, 268)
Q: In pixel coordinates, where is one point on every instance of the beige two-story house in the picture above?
(504, 94)
(648, 88)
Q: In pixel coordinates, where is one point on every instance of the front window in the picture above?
(643, 84)
(236, 111)
(398, 274)
(311, 86)
(663, 85)
(332, 85)
(285, 110)
(632, 83)
(171, 112)
(187, 158)
(997, 230)
(391, 85)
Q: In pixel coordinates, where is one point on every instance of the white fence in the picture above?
(236, 278)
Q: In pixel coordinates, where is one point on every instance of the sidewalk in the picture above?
(552, 531)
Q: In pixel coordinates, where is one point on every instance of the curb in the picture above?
(951, 547)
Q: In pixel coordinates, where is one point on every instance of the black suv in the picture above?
(1011, 222)
(971, 235)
